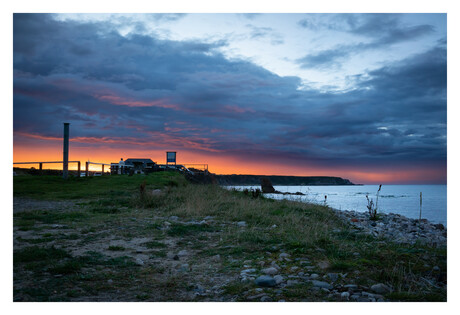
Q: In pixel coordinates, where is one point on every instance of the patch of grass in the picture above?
(35, 240)
(24, 225)
(116, 248)
(142, 297)
(105, 210)
(73, 293)
(36, 253)
(302, 292)
(48, 217)
(155, 244)
(343, 266)
(88, 230)
(417, 297)
(69, 267)
(179, 230)
(57, 188)
(158, 254)
(237, 287)
(38, 294)
(120, 262)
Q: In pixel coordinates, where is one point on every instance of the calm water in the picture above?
(402, 199)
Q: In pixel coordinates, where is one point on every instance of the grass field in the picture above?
(174, 241)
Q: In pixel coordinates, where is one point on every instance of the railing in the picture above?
(200, 167)
(57, 162)
(94, 163)
(50, 162)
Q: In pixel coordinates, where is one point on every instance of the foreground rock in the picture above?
(265, 281)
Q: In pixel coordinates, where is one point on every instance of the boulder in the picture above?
(267, 186)
(265, 281)
(380, 288)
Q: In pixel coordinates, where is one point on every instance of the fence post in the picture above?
(87, 171)
(79, 168)
(102, 170)
(41, 168)
(65, 167)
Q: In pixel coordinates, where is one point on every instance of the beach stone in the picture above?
(265, 298)
(139, 262)
(199, 289)
(270, 271)
(323, 264)
(284, 255)
(246, 271)
(314, 276)
(241, 224)
(321, 284)
(274, 265)
(345, 296)
(253, 297)
(333, 276)
(265, 281)
(381, 288)
(439, 226)
(278, 278)
(182, 253)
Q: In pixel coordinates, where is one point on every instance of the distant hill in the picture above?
(240, 180)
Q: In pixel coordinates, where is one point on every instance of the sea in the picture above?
(400, 199)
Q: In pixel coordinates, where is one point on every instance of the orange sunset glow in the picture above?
(217, 164)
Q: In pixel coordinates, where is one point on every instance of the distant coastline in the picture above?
(278, 180)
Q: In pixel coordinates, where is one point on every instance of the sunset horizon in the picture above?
(260, 156)
(365, 100)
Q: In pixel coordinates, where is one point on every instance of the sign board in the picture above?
(170, 157)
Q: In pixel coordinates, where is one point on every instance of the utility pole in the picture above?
(65, 166)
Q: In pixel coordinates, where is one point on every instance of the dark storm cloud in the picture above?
(383, 29)
(142, 91)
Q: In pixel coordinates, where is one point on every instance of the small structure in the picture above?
(171, 157)
(135, 166)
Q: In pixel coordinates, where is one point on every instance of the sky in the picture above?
(360, 96)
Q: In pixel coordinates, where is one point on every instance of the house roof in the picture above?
(145, 161)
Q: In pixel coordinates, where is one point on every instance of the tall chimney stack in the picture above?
(65, 166)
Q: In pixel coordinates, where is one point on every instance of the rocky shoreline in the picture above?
(284, 272)
(397, 228)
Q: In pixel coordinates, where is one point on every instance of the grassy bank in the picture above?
(174, 241)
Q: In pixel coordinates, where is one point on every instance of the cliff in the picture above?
(276, 180)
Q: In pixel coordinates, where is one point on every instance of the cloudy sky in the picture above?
(361, 96)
